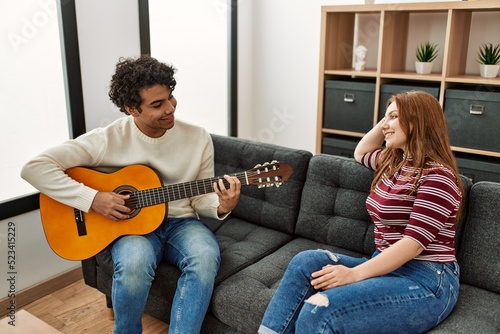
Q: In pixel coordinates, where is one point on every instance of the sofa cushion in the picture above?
(478, 253)
(476, 311)
(276, 208)
(242, 243)
(333, 207)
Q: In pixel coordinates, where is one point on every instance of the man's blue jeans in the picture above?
(186, 243)
(412, 299)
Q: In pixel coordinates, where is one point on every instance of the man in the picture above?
(179, 152)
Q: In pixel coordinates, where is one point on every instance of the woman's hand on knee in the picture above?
(331, 276)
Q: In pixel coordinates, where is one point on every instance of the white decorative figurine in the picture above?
(360, 54)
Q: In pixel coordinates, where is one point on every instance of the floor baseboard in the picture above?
(37, 291)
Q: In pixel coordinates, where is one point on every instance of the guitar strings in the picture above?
(159, 195)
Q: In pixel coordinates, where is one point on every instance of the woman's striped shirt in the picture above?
(427, 216)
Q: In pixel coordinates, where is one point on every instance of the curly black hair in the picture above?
(134, 74)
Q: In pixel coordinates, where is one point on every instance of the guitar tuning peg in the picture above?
(258, 165)
(274, 161)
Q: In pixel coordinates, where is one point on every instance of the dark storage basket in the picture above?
(337, 146)
(387, 90)
(478, 170)
(473, 117)
(349, 105)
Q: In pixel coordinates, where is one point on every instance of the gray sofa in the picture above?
(321, 206)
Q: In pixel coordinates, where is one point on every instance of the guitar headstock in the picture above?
(269, 174)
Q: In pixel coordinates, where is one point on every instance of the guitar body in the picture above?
(72, 239)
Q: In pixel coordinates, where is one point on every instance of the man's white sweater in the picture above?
(184, 153)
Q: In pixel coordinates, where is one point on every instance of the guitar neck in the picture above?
(174, 192)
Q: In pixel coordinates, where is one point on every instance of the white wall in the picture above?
(25, 255)
(31, 61)
(278, 70)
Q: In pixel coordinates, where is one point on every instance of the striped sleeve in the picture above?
(370, 159)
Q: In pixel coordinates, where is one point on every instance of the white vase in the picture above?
(489, 71)
(423, 67)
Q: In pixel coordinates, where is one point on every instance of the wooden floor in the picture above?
(79, 308)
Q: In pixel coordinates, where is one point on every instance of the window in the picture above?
(34, 91)
(41, 81)
(194, 36)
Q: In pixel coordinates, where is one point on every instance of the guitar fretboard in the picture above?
(169, 193)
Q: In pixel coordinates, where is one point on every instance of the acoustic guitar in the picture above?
(76, 235)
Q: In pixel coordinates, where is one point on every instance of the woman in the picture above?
(410, 284)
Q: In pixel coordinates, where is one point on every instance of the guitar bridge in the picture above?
(80, 222)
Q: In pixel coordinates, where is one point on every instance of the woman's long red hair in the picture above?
(423, 121)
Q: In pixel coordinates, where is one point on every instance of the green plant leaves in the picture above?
(427, 52)
(488, 54)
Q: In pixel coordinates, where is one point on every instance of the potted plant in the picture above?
(489, 59)
(425, 53)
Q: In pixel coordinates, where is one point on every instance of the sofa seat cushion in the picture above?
(242, 243)
(477, 311)
(249, 291)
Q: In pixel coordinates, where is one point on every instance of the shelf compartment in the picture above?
(401, 38)
(343, 31)
(470, 29)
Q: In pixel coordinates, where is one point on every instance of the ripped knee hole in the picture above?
(318, 299)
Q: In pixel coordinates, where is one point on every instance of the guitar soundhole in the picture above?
(131, 203)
